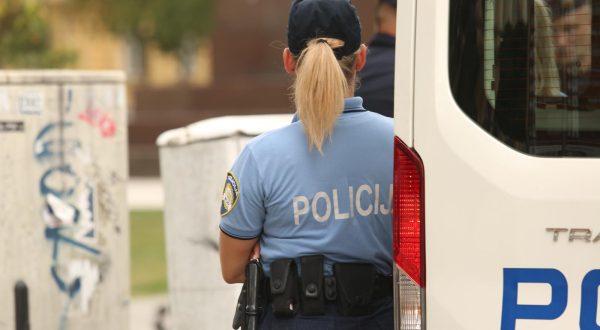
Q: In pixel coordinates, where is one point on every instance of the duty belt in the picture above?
(353, 287)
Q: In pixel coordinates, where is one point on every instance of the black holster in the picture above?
(251, 301)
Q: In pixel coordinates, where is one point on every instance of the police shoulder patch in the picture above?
(231, 194)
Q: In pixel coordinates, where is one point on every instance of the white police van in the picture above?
(497, 165)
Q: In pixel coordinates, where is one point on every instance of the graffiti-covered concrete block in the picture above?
(63, 218)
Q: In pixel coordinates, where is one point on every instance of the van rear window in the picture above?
(528, 72)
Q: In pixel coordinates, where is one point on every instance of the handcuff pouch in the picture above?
(284, 287)
(312, 300)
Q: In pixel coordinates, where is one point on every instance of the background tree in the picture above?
(25, 40)
(174, 26)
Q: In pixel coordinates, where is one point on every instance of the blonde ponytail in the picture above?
(321, 85)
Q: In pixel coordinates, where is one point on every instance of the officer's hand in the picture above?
(255, 251)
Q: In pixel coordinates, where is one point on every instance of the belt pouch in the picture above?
(312, 300)
(355, 284)
(384, 287)
(284, 287)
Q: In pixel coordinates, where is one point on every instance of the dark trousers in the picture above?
(381, 319)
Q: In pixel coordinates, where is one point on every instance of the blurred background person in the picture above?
(572, 23)
(376, 84)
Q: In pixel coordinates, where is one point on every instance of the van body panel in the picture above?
(404, 75)
(488, 207)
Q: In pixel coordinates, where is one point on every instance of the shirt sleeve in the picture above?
(242, 204)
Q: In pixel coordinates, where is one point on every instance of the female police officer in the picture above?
(317, 193)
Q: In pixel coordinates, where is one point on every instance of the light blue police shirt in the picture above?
(303, 203)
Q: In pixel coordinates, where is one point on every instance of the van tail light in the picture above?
(409, 238)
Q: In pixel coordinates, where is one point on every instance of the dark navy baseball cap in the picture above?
(310, 19)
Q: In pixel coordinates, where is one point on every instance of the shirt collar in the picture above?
(351, 104)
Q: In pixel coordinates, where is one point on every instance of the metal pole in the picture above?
(21, 306)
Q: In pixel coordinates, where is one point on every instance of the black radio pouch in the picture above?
(355, 283)
(312, 300)
(284, 287)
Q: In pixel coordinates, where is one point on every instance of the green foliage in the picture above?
(171, 24)
(25, 38)
(180, 21)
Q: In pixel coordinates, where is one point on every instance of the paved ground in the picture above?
(145, 312)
